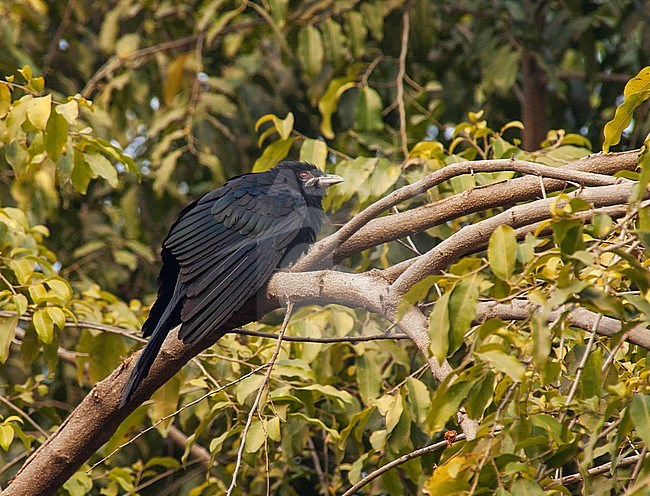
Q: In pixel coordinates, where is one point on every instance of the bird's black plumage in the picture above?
(225, 246)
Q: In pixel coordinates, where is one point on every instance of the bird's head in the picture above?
(311, 180)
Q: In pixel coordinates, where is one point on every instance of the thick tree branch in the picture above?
(578, 317)
(410, 222)
(95, 420)
(323, 249)
(477, 235)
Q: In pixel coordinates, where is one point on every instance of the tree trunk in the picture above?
(534, 106)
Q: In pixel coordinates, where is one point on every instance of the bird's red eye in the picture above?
(304, 175)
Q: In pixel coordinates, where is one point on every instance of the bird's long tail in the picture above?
(166, 322)
(142, 366)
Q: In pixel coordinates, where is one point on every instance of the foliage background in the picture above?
(120, 113)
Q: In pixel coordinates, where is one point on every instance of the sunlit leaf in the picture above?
(636, 91)
(310, 50)
(462, 309)
(639, 411)
(44, 325)
(368, 111)
(7, 333)
(327, 104)
(314, 152)
(56, 136)
(272, 154)
(69, 111)
(502, 251)
(102, 167)
(38, 111)
(497, 357)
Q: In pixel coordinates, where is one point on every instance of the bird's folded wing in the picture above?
(227, 247)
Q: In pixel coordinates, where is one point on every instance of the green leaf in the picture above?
(44, 325)
(526, 487)
(502, 70)
(334, 42)
(314, 152)
(419, 399)
(69, 111)
(462, 309)
(23, 269)
(255, 437)
(165, 402)
(79, 484)
(81, 173)
(247, 387)
(6, 436)
(106, 352)
(369, 378)
(310, 50)
(38, 111)
(641, 187)
(21, 303)
(5, 100)
(282, 126)
(57, 316)
(102, 167)
(394, 413)
(327, 104)
(273, 429)
(382, 179)
(447, 401)
(639, 411)
(542, 339)
(357, 32)
(497, 357)
(373, 17)
(56, 136)
(7, 334)
(480, 396)
(174, 78)
(60, 287)
(439, 327)
(637, 90)
(166, 169)
(272, 154)
(368, 111)
(416, 293)
(341, 396)
(502, 251)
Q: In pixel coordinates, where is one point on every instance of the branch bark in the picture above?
(410, 222)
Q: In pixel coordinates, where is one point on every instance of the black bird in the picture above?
(225, 246)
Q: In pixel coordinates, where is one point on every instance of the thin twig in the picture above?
(54, 44)
(82, 324)
(24, 415)
(341, 339)
(601, 469)
(256, 403)
(117, 62)
(581, 365)
(637, 467)
(401, 73)
(399, 461)
(166, 417)
(322, 478)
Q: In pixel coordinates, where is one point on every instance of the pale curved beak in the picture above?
(327, 180)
